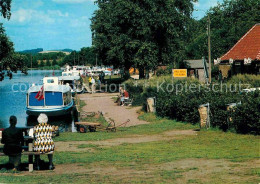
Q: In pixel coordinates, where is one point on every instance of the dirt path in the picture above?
(104, 103)
(183, 171)
(72, 146)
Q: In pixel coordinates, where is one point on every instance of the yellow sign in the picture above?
(179, 73)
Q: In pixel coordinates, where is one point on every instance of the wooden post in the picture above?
(30, 157)
(151, 105)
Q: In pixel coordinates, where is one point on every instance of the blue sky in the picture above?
(59, 24)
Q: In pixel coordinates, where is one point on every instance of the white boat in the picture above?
(74, 82)
(57, 99)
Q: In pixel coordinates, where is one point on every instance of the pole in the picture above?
(209, 49)
(74, 58)
(96, 59)
(31, 65)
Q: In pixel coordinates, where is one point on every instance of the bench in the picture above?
(128, 101)
(30, 155)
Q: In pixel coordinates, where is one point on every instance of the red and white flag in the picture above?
(40, 94)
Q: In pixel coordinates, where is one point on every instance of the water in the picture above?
(13, 99)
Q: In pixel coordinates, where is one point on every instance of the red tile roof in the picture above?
(247, 47)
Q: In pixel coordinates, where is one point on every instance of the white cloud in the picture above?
(27, 3)
(23, 16)
(57, 13)
(72, 1)
(29, 15)
(80, 22)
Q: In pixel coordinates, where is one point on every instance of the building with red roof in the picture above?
(244, 56)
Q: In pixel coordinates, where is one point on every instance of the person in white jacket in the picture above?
(93, 85)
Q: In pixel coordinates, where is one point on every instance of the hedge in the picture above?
(183, 105)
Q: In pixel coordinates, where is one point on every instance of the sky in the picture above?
(60, 24)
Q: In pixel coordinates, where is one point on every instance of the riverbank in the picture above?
(162, 151)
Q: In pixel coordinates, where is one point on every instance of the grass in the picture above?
(157, 125)
(107, 77)
(147, 162)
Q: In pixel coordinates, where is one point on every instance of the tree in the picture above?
(229, 22)
(87, 56)
(35, 63)
(70, 59)
(54, 62)
(6, 46)
(41, 64)
(140, 33)
(48, 63)
(5, 8)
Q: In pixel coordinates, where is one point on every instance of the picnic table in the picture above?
(27, 149)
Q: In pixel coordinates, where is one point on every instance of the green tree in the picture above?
(48, 63)
(87, 56)
(70, 59)
(41, 64)
(6, 48)
(35, 63)
(5, 8)
(140, 33)
(229, 22)
(54, 62)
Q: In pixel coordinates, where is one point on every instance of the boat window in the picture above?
(33, 101)
(53, 98)
(50, 81)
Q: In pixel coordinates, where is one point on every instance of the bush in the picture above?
(247, 80)
(246, 117)
(183, 105)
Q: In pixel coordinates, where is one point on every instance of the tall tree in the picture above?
(48, 63)
(87, 56)
(6, 46)
(140, 33)
(70, 59)
(54, 62)
(5, 8)
(229, 22)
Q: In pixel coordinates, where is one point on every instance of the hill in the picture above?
(32, 51)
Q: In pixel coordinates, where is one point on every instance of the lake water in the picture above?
(13, 99)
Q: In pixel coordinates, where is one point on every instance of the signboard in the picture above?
(179, 73)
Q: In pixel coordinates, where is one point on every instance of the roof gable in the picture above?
(196, 64)
(247, 47)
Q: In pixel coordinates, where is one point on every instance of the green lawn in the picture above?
(208, 157)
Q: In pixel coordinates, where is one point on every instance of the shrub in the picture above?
(247, 80)
(183, 106)
(246, 117)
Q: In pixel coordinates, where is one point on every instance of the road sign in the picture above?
(176, 73)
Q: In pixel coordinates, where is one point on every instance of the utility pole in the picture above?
(31, 62)
(78, 59)
(74, 58)
(209, 49)
(96, 59)
(209, 44)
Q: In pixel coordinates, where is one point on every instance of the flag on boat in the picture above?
(40, 95)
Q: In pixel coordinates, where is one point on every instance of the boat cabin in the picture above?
(55, 98)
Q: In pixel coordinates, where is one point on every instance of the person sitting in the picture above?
(124, 98)
(121, 94)
(43, 142)
(12, 138)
